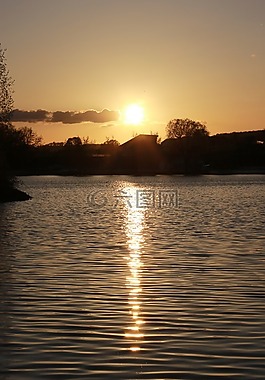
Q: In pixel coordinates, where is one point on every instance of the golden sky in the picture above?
(84, 61)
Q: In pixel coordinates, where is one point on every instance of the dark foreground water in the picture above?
(134, 278)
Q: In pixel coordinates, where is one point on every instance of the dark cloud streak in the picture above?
(30, 116)
(65, 117)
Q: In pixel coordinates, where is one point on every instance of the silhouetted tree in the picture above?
(178, 128)
(74, 141)
(9, 136)
(186, 149)
(111, 141)
(28, 137)
(55, 143)
(6, 105)
(86, 140)
(6, 90)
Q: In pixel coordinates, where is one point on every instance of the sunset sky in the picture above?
(82, 62)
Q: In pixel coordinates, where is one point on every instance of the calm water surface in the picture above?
(115, 278)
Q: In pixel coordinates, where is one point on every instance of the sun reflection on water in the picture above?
(134, 231)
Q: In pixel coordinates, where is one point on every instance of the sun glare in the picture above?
(134, 114)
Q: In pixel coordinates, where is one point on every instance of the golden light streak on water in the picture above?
(134, 232)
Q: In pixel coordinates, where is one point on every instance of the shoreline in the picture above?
(13, 195)
(82, 173)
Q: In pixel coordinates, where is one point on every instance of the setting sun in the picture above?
(134, 114)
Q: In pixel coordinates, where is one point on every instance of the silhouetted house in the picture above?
(238, 151)
(139, 156)
(184, 155)
(172, 153)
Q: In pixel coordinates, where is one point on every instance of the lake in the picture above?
(119, 277)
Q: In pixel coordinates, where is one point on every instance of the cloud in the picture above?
(30, 116)
(65, 117)
(92, 116)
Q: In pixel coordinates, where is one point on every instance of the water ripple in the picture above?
(129, 293)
